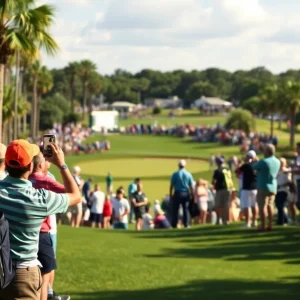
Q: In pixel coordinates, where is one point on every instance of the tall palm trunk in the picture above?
(7, 74)
(38, 116)
(15, 131)
(84, 99)
(1, 97)
(34, 108)
(272, 125)
(25, 99)
(72, 94)
(293, 128)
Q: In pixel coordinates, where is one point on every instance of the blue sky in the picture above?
(177, 34)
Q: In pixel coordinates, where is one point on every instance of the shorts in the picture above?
(248, 198)
(202, 205)
(53, 238)
(222, 199)
(138, 214)
(265, 198)
(76, 209)
(96, 218)
(46, 253)
(120, 225)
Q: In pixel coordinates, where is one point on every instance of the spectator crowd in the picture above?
(207, 134)
(32, 202)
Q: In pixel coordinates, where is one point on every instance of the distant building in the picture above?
(123, 106)
(212, 103)
(171, 102)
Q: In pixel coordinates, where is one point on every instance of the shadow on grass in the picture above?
(207, 289)
(232, 244)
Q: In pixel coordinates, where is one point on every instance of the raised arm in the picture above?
(71, 188)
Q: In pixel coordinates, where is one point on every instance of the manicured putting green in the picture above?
(155, 172)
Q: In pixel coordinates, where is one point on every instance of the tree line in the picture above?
(31, 92)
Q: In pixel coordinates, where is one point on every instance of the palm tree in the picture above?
(269, 95)
(93, 87)
(7, 112)
(86, 68)
(23, 28)
(72, 70)
(292, 106)
(45, 84)
(42, 83)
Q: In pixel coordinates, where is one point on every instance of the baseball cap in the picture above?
(251, 154)
(76, 169)
(220, 160)
(2, 151)
(20, 153)
(182, 163)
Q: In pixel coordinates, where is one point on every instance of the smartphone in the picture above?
(48, 139)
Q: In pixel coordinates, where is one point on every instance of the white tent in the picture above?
(109, 120)
(211, 102)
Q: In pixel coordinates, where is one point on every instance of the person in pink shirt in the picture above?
(46, 253)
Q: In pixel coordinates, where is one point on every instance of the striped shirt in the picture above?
(25, 208)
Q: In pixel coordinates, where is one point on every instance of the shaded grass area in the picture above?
(208, 262)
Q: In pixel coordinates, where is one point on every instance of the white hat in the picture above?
(251, 154)
(76, 169)
(156, 202)
(182, 163)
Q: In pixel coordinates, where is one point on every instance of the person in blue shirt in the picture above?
(181, 193)
(267, 171)
(132, 188)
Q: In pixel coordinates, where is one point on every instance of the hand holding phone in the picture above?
(57, 158)
(48, 140)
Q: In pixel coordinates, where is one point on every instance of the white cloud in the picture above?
(172, 34)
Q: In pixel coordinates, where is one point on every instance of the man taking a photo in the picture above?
(25, 208)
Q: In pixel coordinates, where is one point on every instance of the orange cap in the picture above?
(20, 153)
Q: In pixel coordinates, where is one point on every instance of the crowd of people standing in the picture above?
(261, 184)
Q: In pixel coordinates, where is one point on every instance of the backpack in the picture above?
(7, 270)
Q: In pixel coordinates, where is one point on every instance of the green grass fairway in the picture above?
(200, 263)
(155, 172)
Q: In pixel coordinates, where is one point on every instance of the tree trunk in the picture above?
(272, 126)
(7, 72)
(72, 95)
(292, 129)
(34, 108)
(1, 97)
(25, 99)
(24, 123)
(84, 100)
(15, 131)
(38, 116)
(10, 131)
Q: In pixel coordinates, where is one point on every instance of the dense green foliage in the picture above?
(240, 119)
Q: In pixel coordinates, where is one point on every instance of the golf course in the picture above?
(207, 262)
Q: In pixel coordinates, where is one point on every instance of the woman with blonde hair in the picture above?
(201, 198)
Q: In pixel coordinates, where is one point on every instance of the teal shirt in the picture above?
(109, 181)
(182, 180)
(267, 170)
(25, 208)
(132, 188)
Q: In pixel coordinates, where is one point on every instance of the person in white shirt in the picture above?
(148, 220)
(96, 200)
(284, 179)
(76, 211)
(121, 210)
